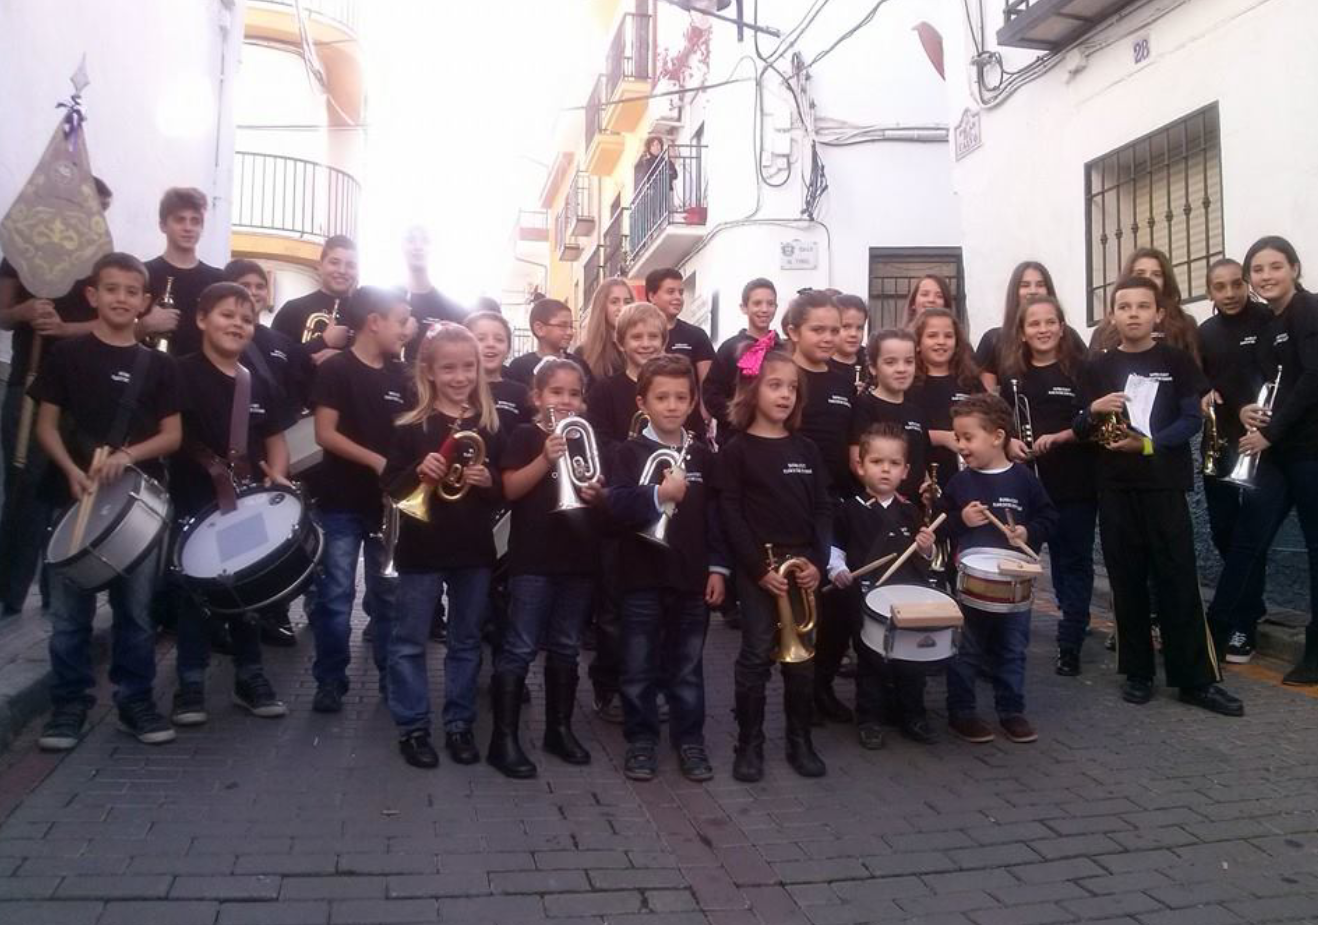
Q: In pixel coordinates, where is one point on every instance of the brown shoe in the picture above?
(971, 729)
(1018, 729)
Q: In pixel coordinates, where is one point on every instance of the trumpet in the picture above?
(389, 530)
(166, 301)
(1247, 466)
(1211, 443)
(792, 647)
(938, 562)
(320, 322)
(1112, 427)
(640, 421)
(574, 471)
(658, 532)
(467, 449)
(1024, 421)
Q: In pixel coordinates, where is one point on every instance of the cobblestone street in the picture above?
(1158, 815)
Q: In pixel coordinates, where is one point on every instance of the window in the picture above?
(893, 271)
(1165, 191)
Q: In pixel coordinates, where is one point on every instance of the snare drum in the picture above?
(886, 637)
(129, 517)
(260, 554)
(303, 451)
(981, 585)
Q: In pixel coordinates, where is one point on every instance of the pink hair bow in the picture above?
(753, 358)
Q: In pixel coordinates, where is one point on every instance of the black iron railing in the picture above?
(616, 258)
(288, 195)
(592, 273)
(1014, 8)
(631, 52)
(595, 111)
(346, 12)
(576, 219)
(673, 192)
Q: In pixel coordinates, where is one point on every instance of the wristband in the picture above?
(1148, 445)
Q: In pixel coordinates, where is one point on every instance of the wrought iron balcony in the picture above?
(669, 208)
(629, 71)
(1046, 25)
(576, 219)
(294, 197)
(533, 225)
(603, 145)
(344, 12)
(592, 274)
(616, 258)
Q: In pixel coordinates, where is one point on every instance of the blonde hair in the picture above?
(449, 333)
(639, 313)
(599, 349)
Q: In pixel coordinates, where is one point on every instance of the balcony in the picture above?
(592, 274)
(629, 72)
(576, 219)
(533, 226)
(615, 244)
(333, 27)
(603, 146)
(1047, 25)
(345, 13)
(669, 210)
(293, 204)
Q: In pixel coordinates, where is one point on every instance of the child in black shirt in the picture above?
(1041, 368)
(849, 352)
(81, 388)
(992, 644)
(357, 395)
(611, 403)
(666, 289)
(945, 373)
(338, 279)
(207, 386)
(892, 352)
(867, 527)
(453, 549)
(1144, 520)
(551, 323)
(494, 335)
(773, 492)
(759, 303)
(666, 589)
(553, 556)
(182, 219)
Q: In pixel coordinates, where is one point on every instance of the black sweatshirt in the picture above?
(522, 369)
(1291, 341)
(989, 352)
(935, 395)
(865, 530)
(871, 410)
(774, 490)
(513, 403)
(1067, 471)
(188, 286)
(459, 533)
(721, 380)
(1014, 489)
(857, 371)
(610, 407)
(1230, 348)
(695, 536)
(827, 419)
(544, 541)
(1175, 419)
(291, 319)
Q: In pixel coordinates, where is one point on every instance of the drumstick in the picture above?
(901, 560)
(1019, 544)
(866, 569)
(87, 502)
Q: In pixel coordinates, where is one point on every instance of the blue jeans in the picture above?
(548, 608)
(133, 640)
(1225, 502)
(348, 536)
(992, 644)
(194, 638)
(651, 619)
(409, 687)
(1071, 553)
(1281, 485)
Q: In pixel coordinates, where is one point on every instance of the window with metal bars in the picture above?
(1165, 191)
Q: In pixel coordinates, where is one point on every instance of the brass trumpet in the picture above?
(320, 322)
(1024, 421)
(792, 647)
(468, 449)
(574, 471)
(1112, 427)
(1247, 466)
(640, 421)
(166, 301)
(938, 562)
(658, 532)
(1211, 443)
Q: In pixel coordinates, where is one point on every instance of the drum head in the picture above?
(224, 544)
(111, 502)
(880, 600)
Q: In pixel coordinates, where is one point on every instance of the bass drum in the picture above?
(128, 518)
(260, 554)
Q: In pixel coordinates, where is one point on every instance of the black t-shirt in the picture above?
(856, 371)
(543, 541)
(871, 410)
(459, 533)
(72, 307)
(685, 339)
(721, 381)
(512, 402)
(1229, 345)
(610, 407)
(1067, 471)
(988, 353)
(935, 396)
(865, 530)
(187, 289)
(1174, 421)
(1014, 494)
(291, 320)
(206, 401)
(827, 420)
(429, 308)
(1290, 341)
(87, 379)
(522, 369)
(774, 490)
(368, 401)
(281, 362)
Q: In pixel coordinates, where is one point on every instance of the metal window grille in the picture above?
(893, 271)
(1165, 191)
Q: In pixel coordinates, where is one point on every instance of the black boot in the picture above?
(1305, 672)
(748, 765)
(560, 699)
(505, 751)
(798, 696)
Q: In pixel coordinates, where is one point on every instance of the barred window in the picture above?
(1165, 191)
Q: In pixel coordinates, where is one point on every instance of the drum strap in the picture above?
(226, 474)
(128, 401)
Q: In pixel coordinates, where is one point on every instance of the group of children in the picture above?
(800, 443)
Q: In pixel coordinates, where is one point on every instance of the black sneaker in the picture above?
(1215, 698)
(461, 746)
(65, 728)
(919, 730)
(642, 761)
(870, 735)
(329, 698)
(1238, 649)
(417, 750)
(257, 697)
(1068, 662)
(189, 707)
(1138, 691)
(693, 762)
(141, 720)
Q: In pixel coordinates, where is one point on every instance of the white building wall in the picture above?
(884, 194)
(1021, 195)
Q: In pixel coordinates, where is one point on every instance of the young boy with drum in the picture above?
(995, 508)
(224, 449)
(118, 403)
(870, 526)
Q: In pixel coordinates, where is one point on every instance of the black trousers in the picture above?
(889, 692)
(606, 667)
(1148, 534)
(838, 623)
(759, 639)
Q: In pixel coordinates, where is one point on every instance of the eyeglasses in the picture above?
(565, 325)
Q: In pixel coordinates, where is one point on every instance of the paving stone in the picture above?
(220, 888)
(12, 888)
(285, 912)
(121, 887)
(415, 886)
(381, 911)
(337, 887)
(601, 903)
(539, 881)
(169, 912)
(51, 913)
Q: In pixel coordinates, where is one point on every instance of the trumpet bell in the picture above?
(1245, 470)
(417, 504)
(796, 613)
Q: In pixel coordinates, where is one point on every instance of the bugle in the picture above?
(320, 322)
(658, 531)
(1211, 443)
(640, 421)
(574, 470)
(792, 632)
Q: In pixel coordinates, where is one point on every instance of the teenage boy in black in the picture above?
(81, 388)
(1144, 520)
(551, 324)
(357, 395)
(25, 516)
(208, 381)
(182, 220)
(338, 279)
(429, 305)
(664, 289)
(759, 303)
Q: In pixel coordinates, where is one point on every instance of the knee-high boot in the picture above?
(798, 696)
(560, 701)
(748, 765)
(505, 751)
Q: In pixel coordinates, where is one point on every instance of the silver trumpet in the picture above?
(1246, 468)
(574, 469)
(658, 531)
(1024, 421)
(389, 536)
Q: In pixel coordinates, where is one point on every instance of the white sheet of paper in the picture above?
(1140, 394)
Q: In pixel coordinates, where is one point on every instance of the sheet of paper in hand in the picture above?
(1141, 391)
